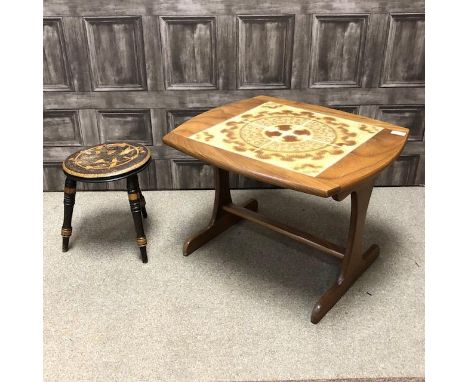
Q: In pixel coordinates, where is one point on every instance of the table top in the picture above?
(106, 160)
(305, 147)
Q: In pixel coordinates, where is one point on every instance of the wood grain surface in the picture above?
(107, 160)
(363, 163)
(134, 70)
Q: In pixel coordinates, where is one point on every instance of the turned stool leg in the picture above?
(68, 202)
(142, 202)
(135, 207)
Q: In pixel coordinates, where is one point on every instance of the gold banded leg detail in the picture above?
(134, 199)
(69, 193)
(141, 241)
(66, 232)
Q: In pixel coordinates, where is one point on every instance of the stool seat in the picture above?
(106, 161)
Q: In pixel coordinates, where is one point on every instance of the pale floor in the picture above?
(238, 308)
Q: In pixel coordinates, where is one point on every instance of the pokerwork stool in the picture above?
(107, 163)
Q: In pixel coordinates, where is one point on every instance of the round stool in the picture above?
(107, 163)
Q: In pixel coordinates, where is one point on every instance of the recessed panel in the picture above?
(265, 51)
(176, 117)
(61, 128)
(404, 58)
(347, 109)
(191, 174)
(401, 173)
(189, 48)
(411, 117)
(337, 51)
(56, 75)
(125, 125)
(116, 53)
(53, 178)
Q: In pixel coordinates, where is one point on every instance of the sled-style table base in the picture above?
(307, 148)
(353, 260)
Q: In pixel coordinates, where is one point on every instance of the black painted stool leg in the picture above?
(135, 207)
(68, 202)
(142, 202)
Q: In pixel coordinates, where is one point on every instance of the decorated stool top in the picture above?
(107, 160)
(291, 144)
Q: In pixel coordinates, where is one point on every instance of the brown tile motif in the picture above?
(297, 139)
(106, 160)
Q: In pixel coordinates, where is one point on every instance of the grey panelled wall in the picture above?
(134, 70)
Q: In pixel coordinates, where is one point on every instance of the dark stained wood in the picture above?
(208, 135)
(364, 162)
(221, 220)
(143, 205)
(411, 117)
(125, 125)
(337, 50)
(62, 128)
(164, 7)
(265, 51)
(68, 203)
(176, 117)
(90, 133)
(410, 70)
(108, 37)
(56, 70)
(293, 233)
(200, 100)
(402, 172)
(76, 44)
(165, 56)
(135, 198)
(189, 45)
(375, 48)
(188, 173)
(153, 49)
(101, 164)
(355, 262)
(107, 160)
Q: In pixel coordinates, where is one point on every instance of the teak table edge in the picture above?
(353, 259)
(355, 169)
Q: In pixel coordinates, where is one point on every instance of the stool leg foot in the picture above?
(135, 208)
(65, 242)
(144, 256)
(69, 193)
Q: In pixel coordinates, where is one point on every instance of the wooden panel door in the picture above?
(135, 70)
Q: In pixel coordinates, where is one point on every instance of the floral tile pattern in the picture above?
(293, 138)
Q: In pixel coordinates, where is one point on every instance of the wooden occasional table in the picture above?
(308, 148)
(107, 163)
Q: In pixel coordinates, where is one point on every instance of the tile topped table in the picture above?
(308, 148)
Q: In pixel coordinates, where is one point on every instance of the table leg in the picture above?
(135, 207)
(220, 219)
(69, 193)
(355, 262)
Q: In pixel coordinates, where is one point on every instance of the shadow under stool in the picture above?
(107, 163)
